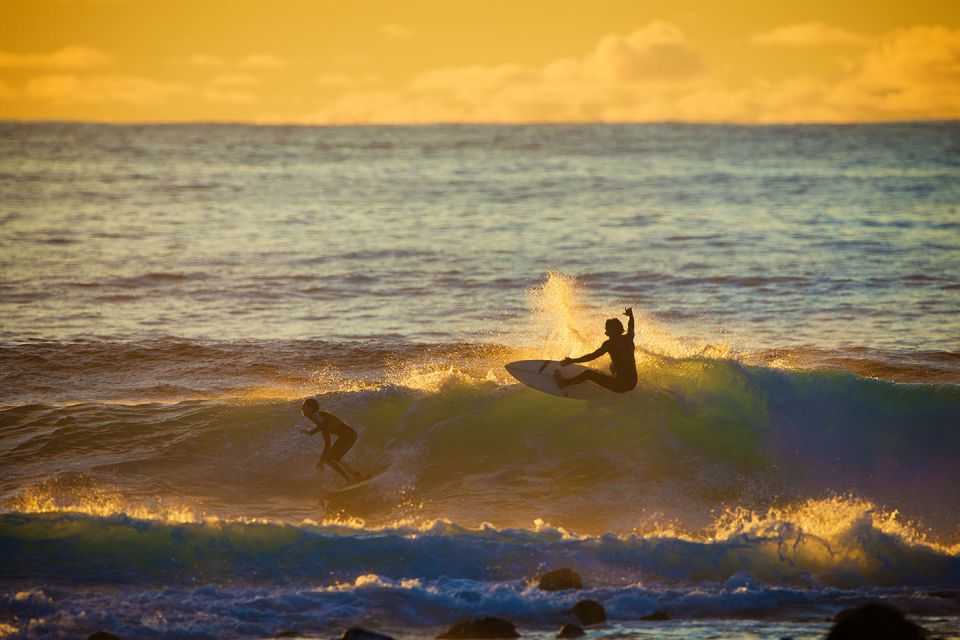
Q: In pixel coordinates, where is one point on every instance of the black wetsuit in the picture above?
(623, 366)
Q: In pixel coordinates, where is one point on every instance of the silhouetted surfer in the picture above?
(328, 424)
(623, 366)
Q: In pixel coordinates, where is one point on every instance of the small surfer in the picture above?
(328, 424)
(623, 365)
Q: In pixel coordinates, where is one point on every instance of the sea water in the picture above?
(170, 294)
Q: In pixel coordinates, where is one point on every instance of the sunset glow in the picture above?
(424, 61)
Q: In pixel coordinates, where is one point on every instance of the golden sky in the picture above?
(400, 61)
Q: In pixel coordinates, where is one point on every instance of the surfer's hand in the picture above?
(628, 312)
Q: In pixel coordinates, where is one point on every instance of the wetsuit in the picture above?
(623, 366)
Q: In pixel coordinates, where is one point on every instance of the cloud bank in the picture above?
(72, 57)
(656, 73)
(810, 34)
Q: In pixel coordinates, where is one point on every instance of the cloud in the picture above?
(73, 89)
(72, 57)
(809, 34)
(655, 73)
(262, 61)
(6, 91)
(205, 61)
(621, 76)
(658, 52)
(235, 80)
(911, 73)
(252, 61)
(348, 81)
(397, 31)
(351, 59)
(232, 88)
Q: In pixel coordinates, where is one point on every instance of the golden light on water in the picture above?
(376, 61)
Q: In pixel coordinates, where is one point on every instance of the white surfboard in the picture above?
(362, 483)
(539, 375)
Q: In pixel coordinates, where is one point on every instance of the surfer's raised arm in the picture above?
(629, 313)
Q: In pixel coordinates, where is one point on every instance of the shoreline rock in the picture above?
(570, 631)
(359, 633)
(874, 620)
(481, 629)
(589, 612)
(559, 580)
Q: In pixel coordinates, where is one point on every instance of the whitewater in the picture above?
(172, 294)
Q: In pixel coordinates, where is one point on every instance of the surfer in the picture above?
(623, 366)
(328, 424)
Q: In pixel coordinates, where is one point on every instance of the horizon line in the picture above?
(544, 123)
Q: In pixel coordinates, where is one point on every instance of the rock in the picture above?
(656, 615)
(359, 633)
(559, 580)
(875, 621)
(490, 627)
(288, 633)
(102, 635)
(589, 612)
(570, 631)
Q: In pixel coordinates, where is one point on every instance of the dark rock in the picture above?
(289, 633)
(875, 621)
(657, 615)
(482, 628)
(589, 612)
(559, 580)
(359, 633)
(570, 631)
(102, 635)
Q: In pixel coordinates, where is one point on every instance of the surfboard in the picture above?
(362, 483)
(538, 374)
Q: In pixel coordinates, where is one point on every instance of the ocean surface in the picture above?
(170, 294)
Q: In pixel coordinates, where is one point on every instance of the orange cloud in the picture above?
(397, 31)
(72, 57)
(622, 76)
(262, 61)
(344, 80)
(72, 89)
(809, 34)
(232, 88)
(253, 61)
(655, 73)
(204, 60)
(912, 73)
(7, 91)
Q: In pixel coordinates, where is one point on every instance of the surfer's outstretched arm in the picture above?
(629, 313)
(587, 358)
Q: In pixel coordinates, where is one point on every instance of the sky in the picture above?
(501, 61)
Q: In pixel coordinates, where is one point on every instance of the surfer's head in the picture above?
(309, 407)
(614, 327)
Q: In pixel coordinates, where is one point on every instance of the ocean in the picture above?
(169, 295)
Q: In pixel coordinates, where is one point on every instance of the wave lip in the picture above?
(261, 578)
(70, 547)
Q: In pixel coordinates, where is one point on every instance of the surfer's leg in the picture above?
(611, 383)
(337, 466)
(357, 476)
(341, 446)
